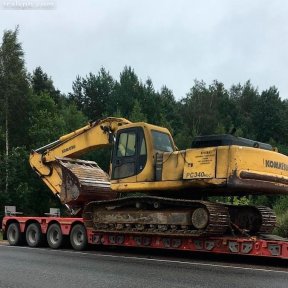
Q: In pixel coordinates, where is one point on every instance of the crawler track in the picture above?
(148, 215)
(252, 219)
(268, 220)
(170, 217)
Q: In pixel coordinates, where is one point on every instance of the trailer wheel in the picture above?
(34, 235)
(14, 235)
(78, 237)
(54, 236)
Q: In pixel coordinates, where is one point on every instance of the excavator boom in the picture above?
(77, 182)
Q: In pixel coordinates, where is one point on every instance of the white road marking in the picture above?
(150, 259)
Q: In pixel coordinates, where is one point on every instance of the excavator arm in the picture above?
(75, 181)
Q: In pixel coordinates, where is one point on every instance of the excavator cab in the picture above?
(135, 152)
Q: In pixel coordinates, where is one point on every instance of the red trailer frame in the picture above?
(265, 245)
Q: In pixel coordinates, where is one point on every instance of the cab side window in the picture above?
(143, 151)
(127, 145)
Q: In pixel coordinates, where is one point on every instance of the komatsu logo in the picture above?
(276, 165)
(68, 149)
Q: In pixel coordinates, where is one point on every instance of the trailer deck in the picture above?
(260, 245)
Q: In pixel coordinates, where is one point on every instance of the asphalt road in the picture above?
(25, 267)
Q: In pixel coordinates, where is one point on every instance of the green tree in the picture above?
(46, 124)
(245, 101)
(14, 90)
(127, 90)
(94, 95)
(149, 101)
(205, 108)
(40, 83)
(136, 114)
(13, 96)
(271, 118)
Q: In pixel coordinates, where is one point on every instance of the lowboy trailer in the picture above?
(35, 231)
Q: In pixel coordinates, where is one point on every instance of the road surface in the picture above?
(23, 267)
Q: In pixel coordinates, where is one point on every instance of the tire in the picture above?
(14, 235)
(54, 236)
(78, 237)
(34, 235)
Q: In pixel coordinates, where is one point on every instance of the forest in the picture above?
(33, 113)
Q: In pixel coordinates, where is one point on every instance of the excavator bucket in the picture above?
(83, 181)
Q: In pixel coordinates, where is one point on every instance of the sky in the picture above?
(172, 42)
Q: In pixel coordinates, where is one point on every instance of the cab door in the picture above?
(128, 156)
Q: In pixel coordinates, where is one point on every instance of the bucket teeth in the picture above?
(83, 181)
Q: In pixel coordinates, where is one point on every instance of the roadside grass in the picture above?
(282, 225)
(1, 236)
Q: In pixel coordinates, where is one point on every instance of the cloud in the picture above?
(172, 42)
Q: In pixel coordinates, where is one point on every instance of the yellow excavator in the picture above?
(153, 188)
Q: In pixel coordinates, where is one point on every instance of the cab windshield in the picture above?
(162, 142)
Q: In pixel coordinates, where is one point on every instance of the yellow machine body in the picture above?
(155, 170)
